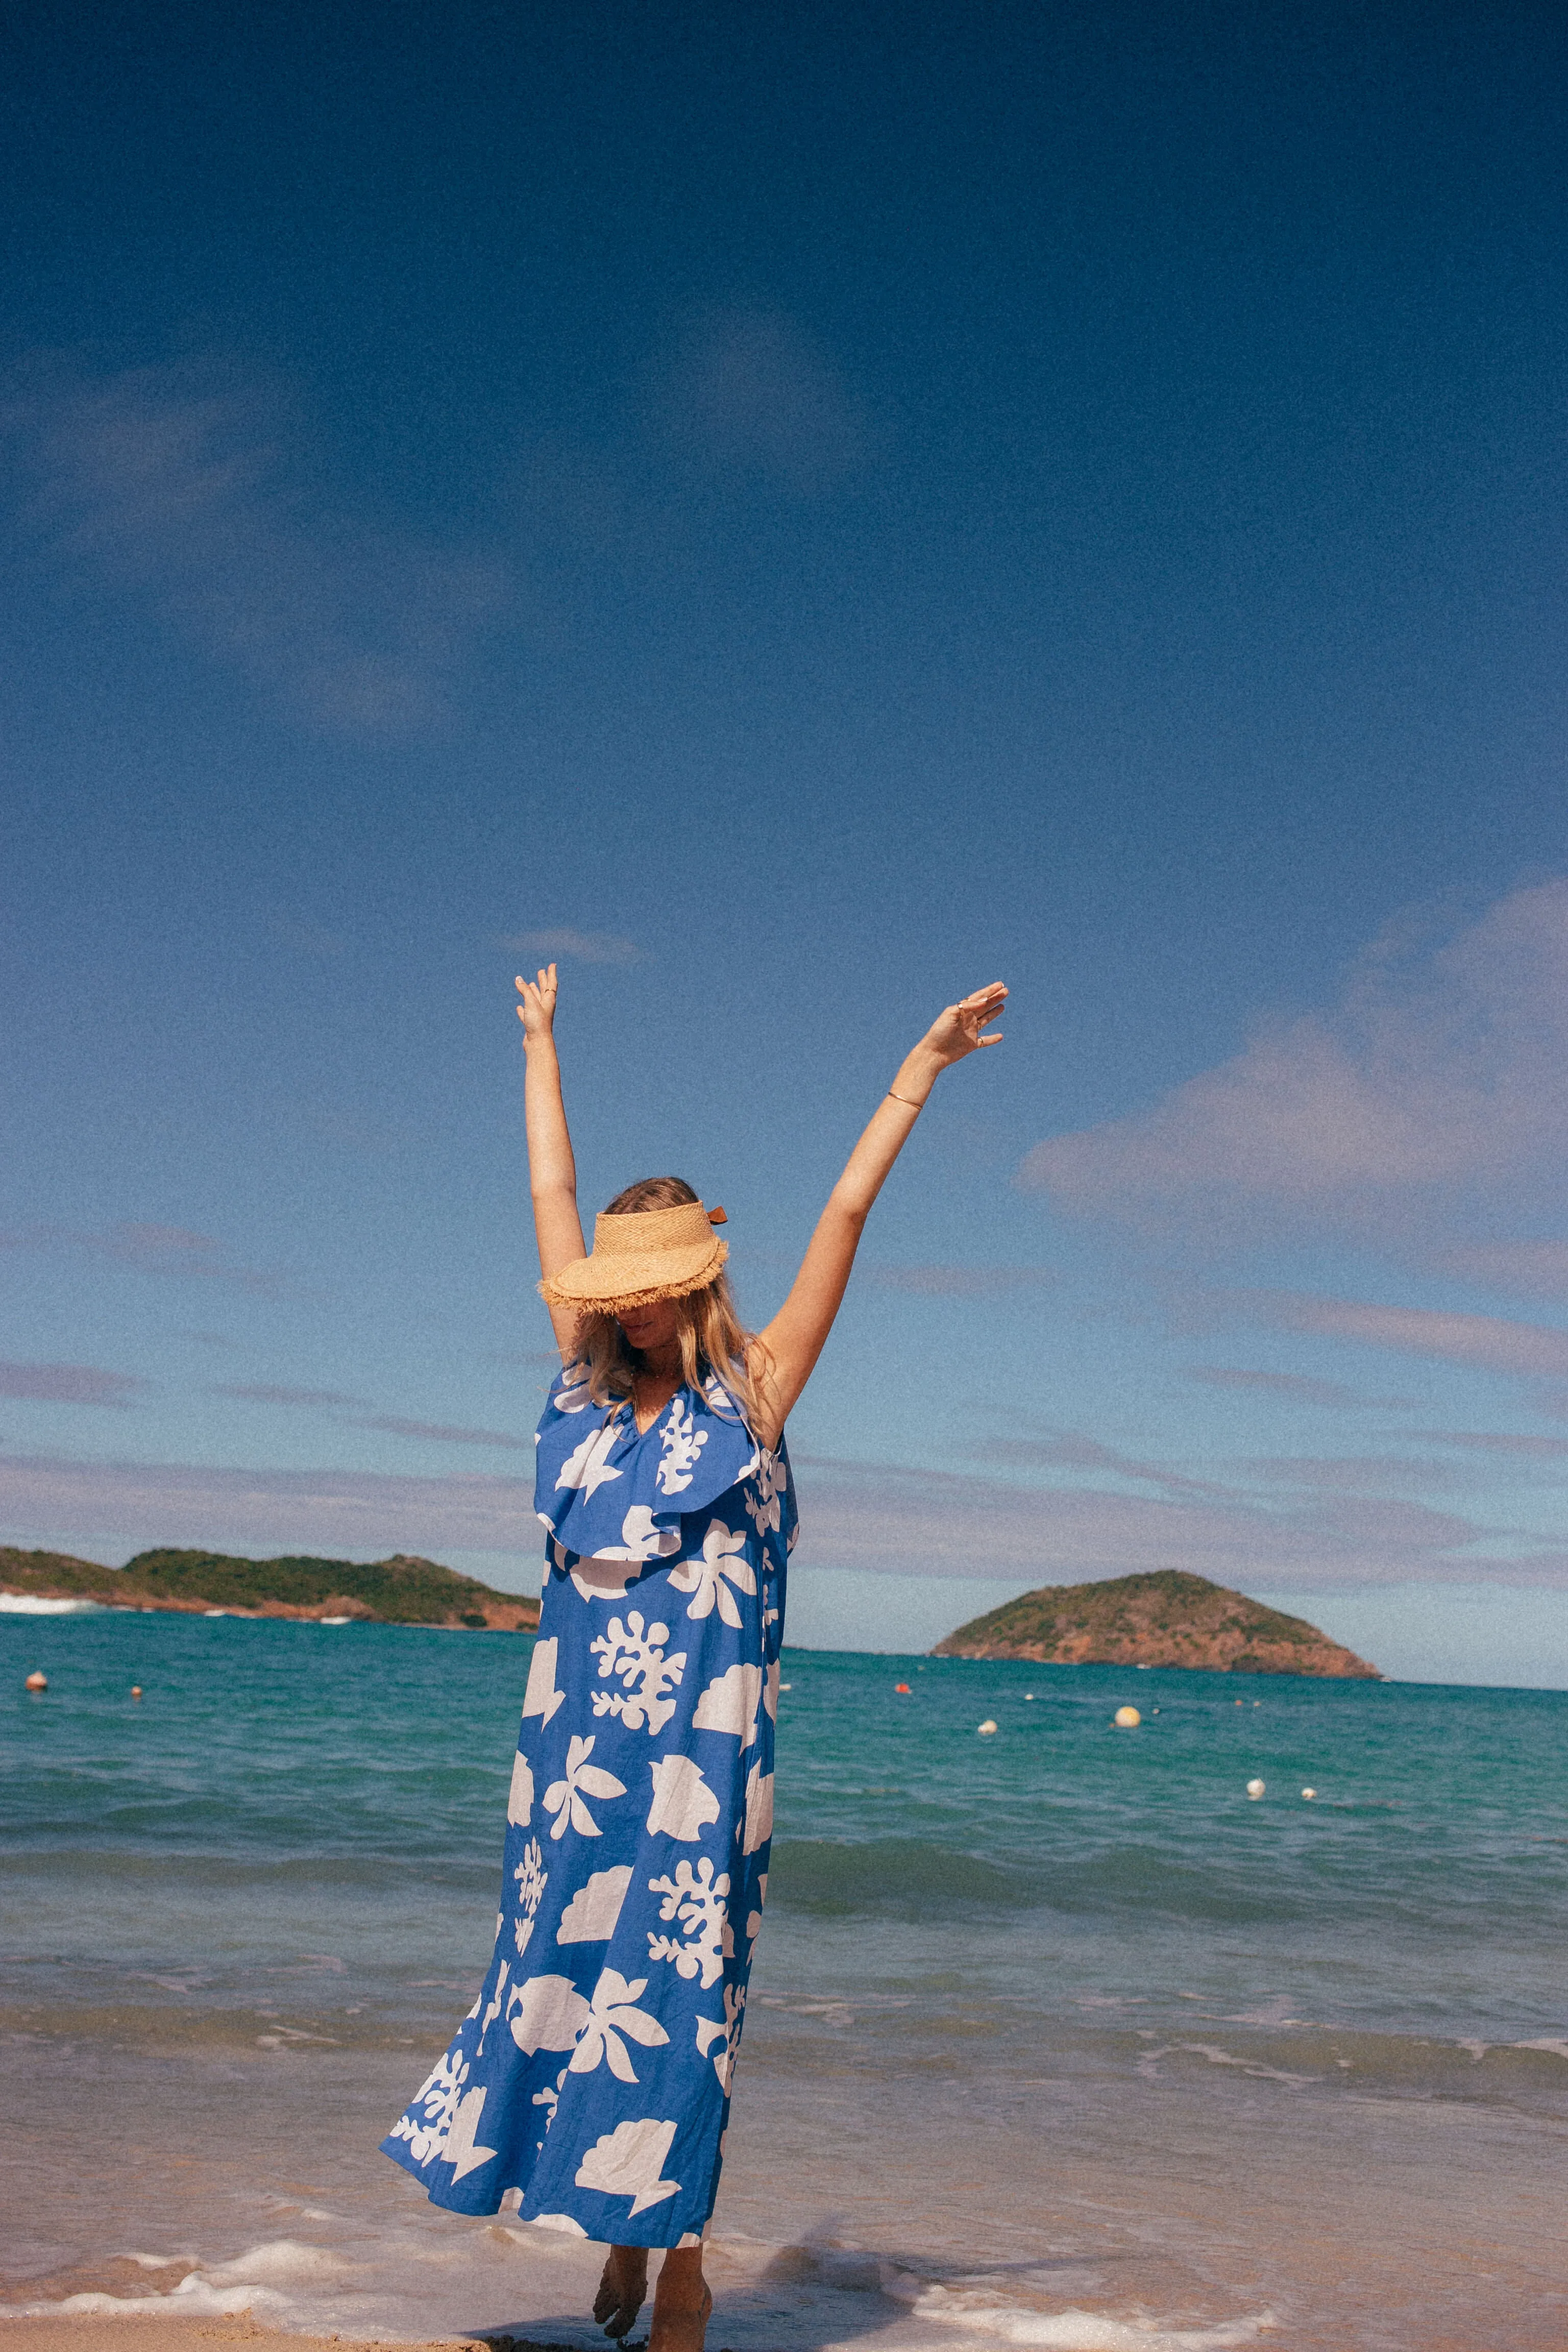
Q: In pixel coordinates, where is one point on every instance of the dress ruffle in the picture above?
(604, 1492)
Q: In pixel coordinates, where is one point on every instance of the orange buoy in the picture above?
(903, 1689)
(36, 1682)
(135, 1690)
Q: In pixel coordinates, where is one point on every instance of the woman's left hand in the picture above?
(957, 1031)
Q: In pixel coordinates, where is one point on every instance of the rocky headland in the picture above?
(1166, 1617)
(403, 1590)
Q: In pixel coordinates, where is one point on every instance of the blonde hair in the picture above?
(711, 1335)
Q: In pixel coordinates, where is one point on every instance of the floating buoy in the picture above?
(1309, 1794)
(902, 1690)
(985, 1728)
(786, 1685)
(36, 1682)
(1028, 1693)
(1238, 1701)
(1127, 1718)
(135, 1690)
(1255, 1789)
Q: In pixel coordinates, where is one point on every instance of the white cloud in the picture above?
(340, 1513)
(865, 1516)
(1518, 1269)
(69, 1384)
(177, 486)
(274, 1392)
(352, 1413)
(955, 1281)
(443, 1433)
(1485, 1343)
(1298, 1388)
(1435, 1085)
(561, 944)
(858, 1516)
(150, 1249)
(751, 394)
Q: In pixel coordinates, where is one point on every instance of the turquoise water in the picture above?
(277, 1873)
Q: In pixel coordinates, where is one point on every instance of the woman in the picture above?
(593, 2072)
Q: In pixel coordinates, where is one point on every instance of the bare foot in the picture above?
(623, 2289)
(679, 2324)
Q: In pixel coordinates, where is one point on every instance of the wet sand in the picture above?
(156, 2333)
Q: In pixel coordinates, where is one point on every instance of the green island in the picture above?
(403, 1591)
(1166, 1617)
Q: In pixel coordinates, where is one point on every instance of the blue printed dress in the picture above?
(593, 2070)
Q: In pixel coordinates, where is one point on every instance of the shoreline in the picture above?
(154, 2332)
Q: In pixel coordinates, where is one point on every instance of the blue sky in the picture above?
(798, 516)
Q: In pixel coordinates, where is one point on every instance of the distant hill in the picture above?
(1164, 1619)
(400, 1591)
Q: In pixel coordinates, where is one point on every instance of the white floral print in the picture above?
(520, 1796)
(574, 1392)
(563, 1798)
(627, 2162)
(683, 1804)
(642, 1539)
(532, 1877)
(638, 1657)
(729, 1703)
(590, 1917)
(542, 1698)
(587, 1468)
(613, 2012)
(763, 1494)
(723, 1555)
(726, 2032)
(492, 2010)
(697, 1899)
(682, 1441)
(532, 1880)
(759, 1823)
(431, 2108)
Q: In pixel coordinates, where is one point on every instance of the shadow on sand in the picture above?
(816, 2295)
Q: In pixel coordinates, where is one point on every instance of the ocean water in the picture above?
(1058, 2037)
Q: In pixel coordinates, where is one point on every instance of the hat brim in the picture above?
(634, 1278)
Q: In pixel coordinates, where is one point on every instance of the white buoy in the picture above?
(985, 1728)
(1255, 1789)
(36, 1682)
(1127, 1718)
(1028, 1693)
(1309, 1794)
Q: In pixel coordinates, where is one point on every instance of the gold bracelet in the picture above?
(905, 1100)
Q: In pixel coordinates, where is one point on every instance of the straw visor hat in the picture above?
(649, 1255)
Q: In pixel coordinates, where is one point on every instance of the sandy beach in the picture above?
(159, 2335)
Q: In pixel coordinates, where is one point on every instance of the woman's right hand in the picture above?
(537, 1011)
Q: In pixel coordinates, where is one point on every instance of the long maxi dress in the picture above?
(593, 2072)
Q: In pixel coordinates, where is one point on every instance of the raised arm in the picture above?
(552, 1170)
(788, 1349)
